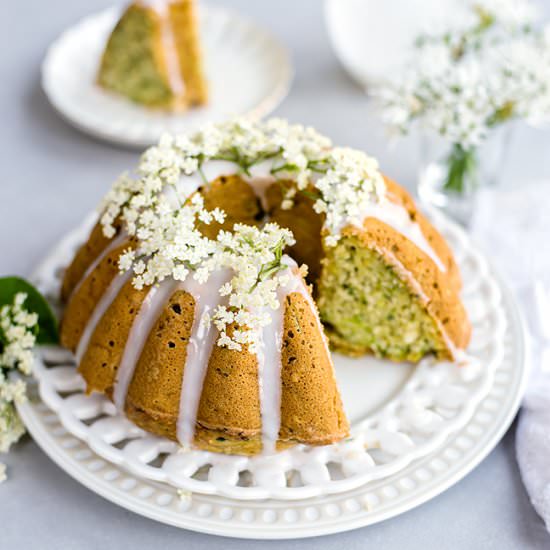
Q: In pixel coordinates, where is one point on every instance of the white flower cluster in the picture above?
(294, 152)
(240, 141)
(164, 216)
(170, 243)
(16, 328)
(17, 339)
(352, 181)
(256, 257)
(466, 80)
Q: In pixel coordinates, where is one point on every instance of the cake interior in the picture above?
(367, 307)
(153, 56)
(129, 65)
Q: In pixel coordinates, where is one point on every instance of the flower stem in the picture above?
(462, 167)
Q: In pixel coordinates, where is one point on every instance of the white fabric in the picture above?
(513, 226)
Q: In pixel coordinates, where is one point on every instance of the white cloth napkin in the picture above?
(513, 227)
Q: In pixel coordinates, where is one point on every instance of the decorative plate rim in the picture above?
(222, 484)
(100, 130)
(372, 503)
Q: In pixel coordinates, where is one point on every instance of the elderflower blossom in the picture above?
(351, 183)
(255, 257)
(291, 152)
(171, 245)
(160, 209)
(17, 338)
(490, 67)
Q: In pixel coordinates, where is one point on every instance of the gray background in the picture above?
(52, 175)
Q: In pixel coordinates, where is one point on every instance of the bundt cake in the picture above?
(153, 56)
(186, 305)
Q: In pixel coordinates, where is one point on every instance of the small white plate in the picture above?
(248, 72)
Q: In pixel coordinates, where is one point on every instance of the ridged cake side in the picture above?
(185, 29)
(87, 293)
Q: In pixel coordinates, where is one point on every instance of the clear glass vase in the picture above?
(450, 175)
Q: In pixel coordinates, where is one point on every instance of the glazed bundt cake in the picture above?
(186, 305)
(153, 56)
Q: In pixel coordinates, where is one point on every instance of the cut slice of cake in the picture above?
(379, 294)
(153, 56)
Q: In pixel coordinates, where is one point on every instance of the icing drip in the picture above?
(116, 242)
(149, 312)
(215, 168)
(260, 180)
(260, 186)
(397, 216)
(199, 348)
(269, 375)
(102, 305)
(270, 362)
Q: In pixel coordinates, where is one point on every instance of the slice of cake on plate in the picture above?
(153, 56)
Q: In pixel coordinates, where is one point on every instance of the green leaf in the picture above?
(35, 303)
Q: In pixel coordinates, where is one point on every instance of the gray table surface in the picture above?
(52, 175)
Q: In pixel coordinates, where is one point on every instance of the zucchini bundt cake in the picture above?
(188, 305)
(153, 56)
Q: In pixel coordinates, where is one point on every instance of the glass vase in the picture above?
(450, 175)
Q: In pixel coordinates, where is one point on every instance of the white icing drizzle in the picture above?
(269, 374)
(269, 358)
(101, 307)
(214, 169)
(175, 78)
(260, 180)
(199, 348)
(116, 242)
(260, 185)
(398, 217)
(387, 211)
(142, 325)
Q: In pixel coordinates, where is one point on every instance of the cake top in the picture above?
(343, 182)
(159, 207)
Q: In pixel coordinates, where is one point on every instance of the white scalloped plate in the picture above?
(274, 519)
(236, 51)
(407, 413)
